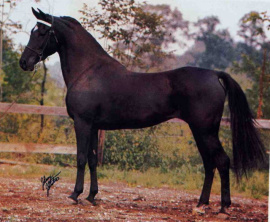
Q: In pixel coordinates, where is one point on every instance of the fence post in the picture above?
(101, 140)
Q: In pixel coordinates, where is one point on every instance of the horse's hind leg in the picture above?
(213, 156)
(209, 167)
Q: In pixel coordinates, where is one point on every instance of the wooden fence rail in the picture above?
(61, 111)
(67, 149)
(33, 109)
(37, 148)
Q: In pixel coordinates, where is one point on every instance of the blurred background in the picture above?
(146, 36)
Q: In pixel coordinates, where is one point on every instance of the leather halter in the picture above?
(51, 32)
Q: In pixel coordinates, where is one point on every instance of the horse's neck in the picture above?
(80, 55)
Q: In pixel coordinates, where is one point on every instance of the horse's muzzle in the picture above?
(24, 66)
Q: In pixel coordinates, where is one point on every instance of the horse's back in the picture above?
(134, 100)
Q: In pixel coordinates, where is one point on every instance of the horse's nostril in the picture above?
(23, 64)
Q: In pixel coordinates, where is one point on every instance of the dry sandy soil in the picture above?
(23, 199)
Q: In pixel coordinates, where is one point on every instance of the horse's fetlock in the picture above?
(78, 192)
(94, 191)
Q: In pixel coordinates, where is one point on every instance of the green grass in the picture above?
(187, 178)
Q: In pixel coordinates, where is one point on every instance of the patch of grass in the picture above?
(185, 178)
(256, 185)
(50, 159)
(35, 171)
(190, 179)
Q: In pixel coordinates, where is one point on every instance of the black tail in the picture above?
(248, 149)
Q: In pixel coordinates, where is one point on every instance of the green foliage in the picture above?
(255, 61)
(114, 24)
(132, 150)
(252, 29)
(134, 33)
(15, 80)
(249, 58)
(24, 87)
(167, 147)
(219, 52)
(23, 128)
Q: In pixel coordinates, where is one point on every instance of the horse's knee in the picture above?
(92, 165)
(92, 162)
(81, 160)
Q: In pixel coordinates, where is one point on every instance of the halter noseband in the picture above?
(51, 32)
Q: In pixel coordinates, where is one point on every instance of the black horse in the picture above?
(103, 94)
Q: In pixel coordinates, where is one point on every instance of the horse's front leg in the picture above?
(92, 163)
(83, 137)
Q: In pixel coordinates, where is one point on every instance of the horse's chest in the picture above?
(83, 103)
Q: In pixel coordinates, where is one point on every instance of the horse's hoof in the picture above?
(72, 197)
(223, 210)
(199, 210)
(223, 214)
(91, 200)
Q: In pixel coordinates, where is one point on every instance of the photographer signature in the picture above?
(49, 181)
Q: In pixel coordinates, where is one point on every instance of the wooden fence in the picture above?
(61, 111)
(37, 148)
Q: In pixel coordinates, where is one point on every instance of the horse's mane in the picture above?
(71, 20)
(74, 24)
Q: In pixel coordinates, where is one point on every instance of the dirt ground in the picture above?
(23, 199)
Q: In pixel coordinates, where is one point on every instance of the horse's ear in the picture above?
(42, 13)
(43, 16)
(36, 13)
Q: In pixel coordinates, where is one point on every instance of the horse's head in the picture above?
(42, 43)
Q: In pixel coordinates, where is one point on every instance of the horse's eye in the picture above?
(42, 32)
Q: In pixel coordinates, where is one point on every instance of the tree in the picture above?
(252, 29)
(15, 80)
(176, 32)
(42, 92)
(135, 34)
(255, 62)
(8, 55)
(173, 22)
(7, 25)
(219, 51)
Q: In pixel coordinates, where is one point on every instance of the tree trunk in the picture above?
(41, 102)
(259, 110)
(101, 140)
(1, 48)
